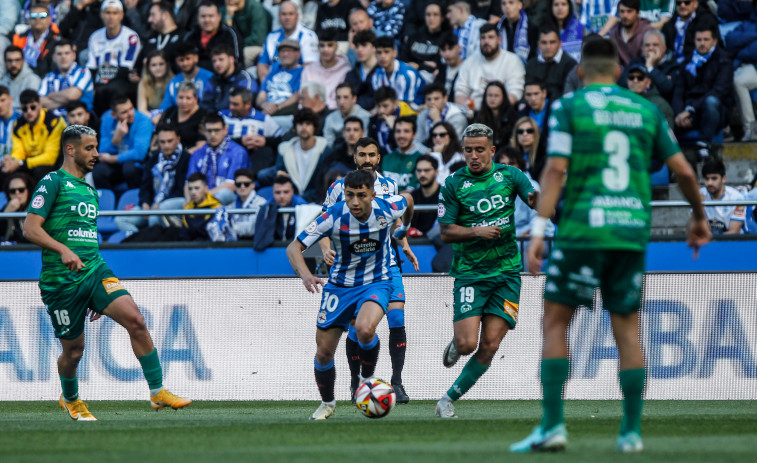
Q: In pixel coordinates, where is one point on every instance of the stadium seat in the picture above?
(107, 225)
(3, 200)
(691, 137)
(118, 236)
(661, 177)
(266, 193)
(750, 224)
(129, 200)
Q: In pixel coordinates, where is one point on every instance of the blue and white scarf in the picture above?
(164, 174)
(211, 160)
(697, 60)
(521, 46)
(572, 37)
(464, 35)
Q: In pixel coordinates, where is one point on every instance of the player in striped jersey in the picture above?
(602, 138)
(367, 158)
(69, 82)
(359, 283)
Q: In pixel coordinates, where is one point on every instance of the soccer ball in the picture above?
(375, 398)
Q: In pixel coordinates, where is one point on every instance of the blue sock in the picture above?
(396, 318)
(352, 333)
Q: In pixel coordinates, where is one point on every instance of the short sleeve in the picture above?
(397, 205)
(448, 207)
(333, 195)
(45, 195)
(320, 228)
(560, 141)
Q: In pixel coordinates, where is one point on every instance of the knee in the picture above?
(365, 333)
(712, 102)
(74, 353)
(135, 322)
(465, 346)
(487, 349)
(324, 355)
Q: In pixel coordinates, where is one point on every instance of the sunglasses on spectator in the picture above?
(13, 191)
(439, 134)
(242, 184)
(522, 131)
(39, 15)
(683, 2)
(636, 77)
(31, 107)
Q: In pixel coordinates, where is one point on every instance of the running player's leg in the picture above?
(352, 349)
(326, 341)
(73, 349)
(368, 318)
(395, 316)
(124, 311)
(625, 328)
(465, 342)
(493, 329)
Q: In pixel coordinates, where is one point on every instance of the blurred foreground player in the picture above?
(75, 280)
(604, 230)
(360, 282)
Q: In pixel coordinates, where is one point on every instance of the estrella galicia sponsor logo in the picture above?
(79, 233)
(365, 246)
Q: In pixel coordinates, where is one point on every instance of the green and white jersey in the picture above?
(70, 208)
(609, 134)
(479, 201)
(401, 168)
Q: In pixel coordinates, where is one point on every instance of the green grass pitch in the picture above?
(221, 432)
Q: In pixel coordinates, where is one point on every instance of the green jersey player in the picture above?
(603, 138)
(75, 280)
(476, 214)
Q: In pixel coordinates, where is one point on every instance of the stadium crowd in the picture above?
(248, 104)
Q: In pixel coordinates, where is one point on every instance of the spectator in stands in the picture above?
(640, 83)
(233, 227)
(8, 19)
(426, 171)
(537, 104)
(742, 45)
(136, 15)
(253, 23)
(300, 158)
(212, 33)
(77, 113)
(332, 15)
(124, 142)
(446, 149)
(165, 37)
(341, 156)
(628, 34)
(330, 69)
(186, 117)
(36, 139)
(399, 165)
(8, 116)
(359, 22)
(279, 91)
(381, 126)
(272, 225)
(388, 17)
(68, 82)
(660, 64)
(704, 89)
(18, 190)
(187, 59)
(524, 215)
(438, 109)
(162, 183)
(552, 65)
(152, 86)
(361, 75)
(527, 138)
(391, 72)
(18, 75)
(227, 74)
(679, 31)
(346, 102)
(82, 20)
(725, 220)
(560, 13)
(312, 96)
(466, 27)
(421, 50)
(37, 43)
(112, 54)
(291, 30)
(518, 34)
(254, 130)
(658, 13)
(218, 159)
(599, 16)
(497, 112)
(186, 14)
(450, 52)
(491, 64)
(194, 226)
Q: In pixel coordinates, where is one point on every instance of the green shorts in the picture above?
(497, 296)
(68, 308)
(572, 275)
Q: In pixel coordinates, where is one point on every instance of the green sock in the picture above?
(151, 369)
(632, 385)
(554, 373)
(468, 377)
(70, 388)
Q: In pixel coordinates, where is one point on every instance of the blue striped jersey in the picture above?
(255, 123)
(77, 76)
(308, 45)
(383, 186)
(594, 13)
(363, 249)
(107, 54)
(200, 81)
(6, 133)
(405, 80)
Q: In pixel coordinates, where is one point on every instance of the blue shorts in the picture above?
(339, 305)
(398, 289)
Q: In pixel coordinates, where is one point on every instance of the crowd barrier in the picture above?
(254, 339)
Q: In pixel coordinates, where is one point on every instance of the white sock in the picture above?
(447, 398)
(332, 403)
(155, 391)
